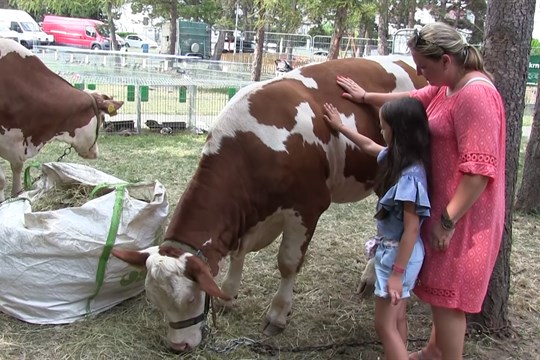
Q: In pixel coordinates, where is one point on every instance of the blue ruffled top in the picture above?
(411, 186)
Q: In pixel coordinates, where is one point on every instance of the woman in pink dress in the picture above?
(462, 237)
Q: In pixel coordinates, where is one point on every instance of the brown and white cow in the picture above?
(270, 166)
(37, 106)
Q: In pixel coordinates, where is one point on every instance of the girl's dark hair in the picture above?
(410, 143)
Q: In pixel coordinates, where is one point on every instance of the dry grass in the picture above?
(62, 197)
(326, 309)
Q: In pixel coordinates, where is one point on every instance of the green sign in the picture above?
(532, 74)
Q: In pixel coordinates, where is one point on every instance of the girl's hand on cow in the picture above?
(332, 117)
(353, 91)
(440, 237)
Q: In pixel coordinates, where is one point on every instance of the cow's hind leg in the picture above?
(2, 185)
(293, 246)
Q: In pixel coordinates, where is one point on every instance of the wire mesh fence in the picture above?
(176, 92)
(159, 91)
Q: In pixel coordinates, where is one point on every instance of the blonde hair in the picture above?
(436, 39)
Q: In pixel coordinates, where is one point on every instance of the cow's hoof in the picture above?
(269, 329)
(222, 305)
(365, 290)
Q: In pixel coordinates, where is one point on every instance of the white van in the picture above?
(25, 26)
(5, 33)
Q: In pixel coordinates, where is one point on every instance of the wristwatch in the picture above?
(447, 223)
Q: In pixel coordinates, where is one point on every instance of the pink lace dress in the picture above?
(468, 137)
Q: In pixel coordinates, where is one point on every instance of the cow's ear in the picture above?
(200, 273)
(112, 106)
(132, 257)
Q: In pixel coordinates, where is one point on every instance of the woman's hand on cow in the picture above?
(353, 91)
(440, 237)
(332, 117)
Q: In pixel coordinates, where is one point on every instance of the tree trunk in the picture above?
(528, 197)
(442, 12)
(257, 56)
(174, 27)
(412, 11)
(509, 28)
(382, 32)
(339, 27)
(112, 29)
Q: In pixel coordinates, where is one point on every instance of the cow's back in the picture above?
(278, 125)
(34, 99)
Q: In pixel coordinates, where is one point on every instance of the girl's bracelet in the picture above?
(398, 269)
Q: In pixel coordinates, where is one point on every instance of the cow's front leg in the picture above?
(290, 258)
(231, 283)
(17, 187)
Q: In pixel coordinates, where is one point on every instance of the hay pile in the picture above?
(60, 197)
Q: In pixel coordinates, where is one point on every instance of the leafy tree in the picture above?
(535, 47)
(509, 28)
(78, 8)
(74, 8)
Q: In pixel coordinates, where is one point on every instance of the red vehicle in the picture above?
(77, 32)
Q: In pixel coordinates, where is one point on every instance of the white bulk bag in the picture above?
(55, 266)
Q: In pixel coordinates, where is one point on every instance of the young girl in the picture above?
(401, 185)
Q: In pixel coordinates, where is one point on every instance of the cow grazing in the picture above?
(270, 166)
(37, 106)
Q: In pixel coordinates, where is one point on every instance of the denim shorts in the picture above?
(384, 259)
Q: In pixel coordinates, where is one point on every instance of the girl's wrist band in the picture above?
(398, 269)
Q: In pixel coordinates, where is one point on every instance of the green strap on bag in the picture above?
(27, 177)
(111, 237)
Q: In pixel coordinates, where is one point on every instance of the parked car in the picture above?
(120, 41)
(320, 53)
(137, 41)
(6, 33)
(21, 23)
(82, 33)
(244, 46)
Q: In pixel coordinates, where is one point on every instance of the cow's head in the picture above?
(85, 139)
(177, 283)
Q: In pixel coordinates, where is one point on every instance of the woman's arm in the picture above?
(469, 189)
(363, 142)
(357, 94)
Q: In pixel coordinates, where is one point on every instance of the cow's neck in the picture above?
(209, 224)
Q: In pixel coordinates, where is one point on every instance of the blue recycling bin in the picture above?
(145, 48)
